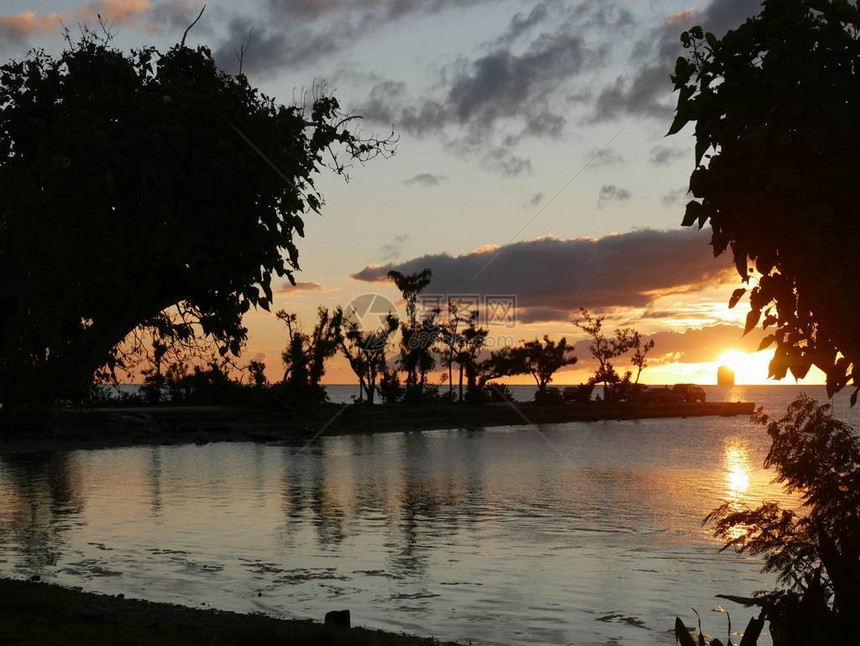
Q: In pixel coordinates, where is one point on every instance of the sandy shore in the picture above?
(110, 427)
(38, 613)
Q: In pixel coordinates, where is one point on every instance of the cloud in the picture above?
(647, 92)
(519, 86)
(533, 201)
(603, 157)
(674, 198)
(17, 28)
(425, 180)
(665, 155)
(613, 193)
(552, 277)
(394, 249)
(168, 15)
(300, 286)
(290, 33)
(691, 345)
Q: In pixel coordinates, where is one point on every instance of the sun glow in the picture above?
(749, 367)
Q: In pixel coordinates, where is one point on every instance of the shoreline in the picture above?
(97, 428)
(45, 613)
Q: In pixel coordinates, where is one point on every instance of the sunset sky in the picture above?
(532, 160)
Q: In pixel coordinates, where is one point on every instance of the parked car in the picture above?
(690, 392)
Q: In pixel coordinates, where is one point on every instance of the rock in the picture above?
(35, 578)
(337, 618)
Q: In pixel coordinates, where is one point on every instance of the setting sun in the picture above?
(749, 368)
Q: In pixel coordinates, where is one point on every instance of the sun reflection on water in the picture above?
(736, 464)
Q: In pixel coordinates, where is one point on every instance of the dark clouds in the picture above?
(675, 198)
(518, 87)
(647, 91)
(665, 155)
(613, 193)
(394, 249)
(553, 277)
(300, 286)
(534, 201)
(425, 180)
(298, 32)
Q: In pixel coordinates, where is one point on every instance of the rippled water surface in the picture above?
(584, 533)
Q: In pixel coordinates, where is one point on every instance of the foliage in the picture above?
(543, 358)
(365, 351)
(134, 182)
(604, 348)
(306, 354)
(814, 550)
(389, 387)
(639, 358)
(580, 394)
(417, 337)
(774, 104)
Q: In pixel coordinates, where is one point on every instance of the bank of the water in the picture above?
(39, 613)
(70, 429)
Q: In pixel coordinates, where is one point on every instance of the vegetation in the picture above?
(774, 106)
(112, 166)
(815, 550)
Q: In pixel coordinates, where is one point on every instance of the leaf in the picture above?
(752, 320)
(681, 120)
(736, 296)
(854, 397)
(766, 342)
(682, 635)
(694, 210)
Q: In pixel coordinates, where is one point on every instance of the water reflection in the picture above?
(736, 464)
(482, 535)
(41, 498)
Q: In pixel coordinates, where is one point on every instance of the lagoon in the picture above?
(585, 533)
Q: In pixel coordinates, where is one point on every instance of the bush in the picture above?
(814, 550)
(550, 396)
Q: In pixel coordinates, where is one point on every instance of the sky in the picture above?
(531, 165)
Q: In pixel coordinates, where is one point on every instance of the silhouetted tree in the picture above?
(136, 182)
(365, 351)
(306, 354)
(815, 550)
(639, 358)
(472, 342)
(417, 337)
(774, 104)
(603, 348)
(257, 372)
(543, 358)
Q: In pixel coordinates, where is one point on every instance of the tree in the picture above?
(471, 343)
(306, 354)
(814, 550)
(138, 182)
(639, 358)
(417, 337)
(365, 351)
(603, 348)
(452, 340)
(774, 104)
(543, 358)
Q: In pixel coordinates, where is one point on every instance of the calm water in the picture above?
(573, 533)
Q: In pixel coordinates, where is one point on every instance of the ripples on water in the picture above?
(579, 533)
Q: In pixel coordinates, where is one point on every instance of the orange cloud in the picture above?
(681, 17)
(29, 23)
